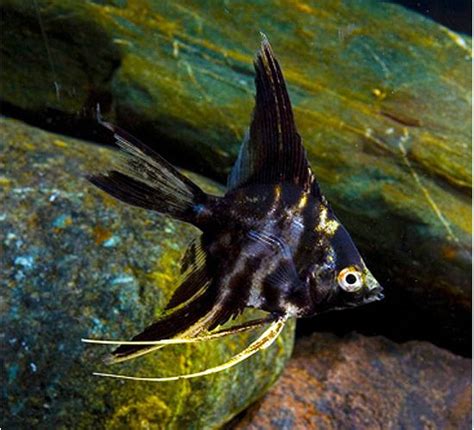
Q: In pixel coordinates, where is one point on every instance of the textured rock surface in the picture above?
(382, 100)
(76, 263)
(366, 383)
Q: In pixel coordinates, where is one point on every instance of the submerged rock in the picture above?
(366, 383)
(381, 95)
(76, 263)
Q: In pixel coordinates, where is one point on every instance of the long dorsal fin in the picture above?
(272, 151)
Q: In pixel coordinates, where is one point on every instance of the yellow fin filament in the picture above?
(251, 325)
(264, 341)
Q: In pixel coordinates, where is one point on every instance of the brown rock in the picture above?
(362, 382)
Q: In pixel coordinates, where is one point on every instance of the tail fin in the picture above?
(145, 179)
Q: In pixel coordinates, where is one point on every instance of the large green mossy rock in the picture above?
(382, 99)
(76, 263)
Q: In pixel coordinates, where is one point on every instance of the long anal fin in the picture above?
(247, 326)
(264, 341)
(186, 320)
(194, 274)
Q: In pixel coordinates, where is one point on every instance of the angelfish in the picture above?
(272, 242)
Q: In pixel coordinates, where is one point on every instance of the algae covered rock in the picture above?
(382, 99)
(359, 382)
(76, 263)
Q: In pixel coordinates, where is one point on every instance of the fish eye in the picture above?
(350, 279)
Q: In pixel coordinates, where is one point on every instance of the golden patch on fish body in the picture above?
(325, 225)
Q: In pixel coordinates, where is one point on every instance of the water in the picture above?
(382, 99)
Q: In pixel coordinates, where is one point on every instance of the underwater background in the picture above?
(382, 99)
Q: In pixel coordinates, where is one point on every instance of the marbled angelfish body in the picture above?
(272, 242)
(265, 236)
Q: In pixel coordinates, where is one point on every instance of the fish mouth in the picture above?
(375, 294)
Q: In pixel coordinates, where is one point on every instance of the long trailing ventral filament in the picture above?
(264, 341)
(250, 325)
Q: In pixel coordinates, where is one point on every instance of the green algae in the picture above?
(79, 264)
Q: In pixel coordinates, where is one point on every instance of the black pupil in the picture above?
(351, 279)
